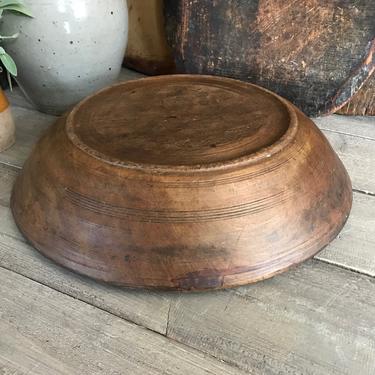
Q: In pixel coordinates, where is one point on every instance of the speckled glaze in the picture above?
(70, 49)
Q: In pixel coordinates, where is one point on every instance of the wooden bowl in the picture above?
(182, 182)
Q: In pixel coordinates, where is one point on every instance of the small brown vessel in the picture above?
(147, 50)
(182, 182)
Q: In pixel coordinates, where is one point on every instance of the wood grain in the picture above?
(305, 325)
(315, 53)
(351, 253)
(362, 103)
(352, 249)
(358, 126)
(145, 308)
(354, 246)
(319, 315)
(30, 124)
(46, 332)
(317, 319)
(142, 307)
(196, 187)
(358, 155)
(299, 317)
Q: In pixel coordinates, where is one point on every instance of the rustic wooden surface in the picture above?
(316, 53)
(362, 103)
(317, 319)
(190, 155)
(46, 332)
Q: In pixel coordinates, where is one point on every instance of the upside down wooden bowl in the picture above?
(182, 182)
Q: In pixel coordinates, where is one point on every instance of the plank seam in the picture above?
(12, 166)
(365, 192)
(344, 267)
(168, 319)
(191, 348)
(347, 134)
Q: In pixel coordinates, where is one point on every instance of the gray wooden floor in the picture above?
(316, 319)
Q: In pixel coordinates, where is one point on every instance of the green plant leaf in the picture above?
(18, 8)
(5, 3)
(8, 62)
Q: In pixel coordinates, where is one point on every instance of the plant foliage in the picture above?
(15, 6)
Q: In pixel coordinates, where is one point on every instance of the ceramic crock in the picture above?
(70, 49)
(7, 128)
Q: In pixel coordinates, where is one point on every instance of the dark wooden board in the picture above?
(316, 53)
(362, 103)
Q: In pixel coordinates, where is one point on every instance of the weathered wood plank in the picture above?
(358, 155)
(46, 332)
(195, 319)
(7, 178)
(30, 124)
(142, 307)
(146, 308)
(17, 98)
(354, 248)
(352, 125)
(353, 138)
(316, 319)
(306, 325)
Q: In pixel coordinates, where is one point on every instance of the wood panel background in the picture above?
(316, 53)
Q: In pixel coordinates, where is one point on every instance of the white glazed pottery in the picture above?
(7, 128)
(70, 49)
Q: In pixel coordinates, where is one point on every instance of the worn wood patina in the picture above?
(218, 183)
(316, 53)
(363, 102)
